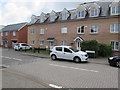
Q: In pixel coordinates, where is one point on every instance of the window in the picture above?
(115, 10)
(14, 33)
(64, 30)
(80, 30)
(67, 50)
(41, 43)
(42, 31)
(81, 14)
(1, 33)
(94, 29)
(115, 28)
(64, 16)
(58, 48)
(6, 33)
(32, 31)
(115, 45)
(52, 18)
(94, 12)
(64, 42)
(32, 42)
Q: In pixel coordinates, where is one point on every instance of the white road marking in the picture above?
(54, 86)
(11, 58)
(4, 65)
(73, 68)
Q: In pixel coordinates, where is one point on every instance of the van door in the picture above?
(67, 54)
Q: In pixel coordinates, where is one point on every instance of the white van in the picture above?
(68, 53)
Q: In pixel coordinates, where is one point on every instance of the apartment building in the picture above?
(89, 21)
(14, 33)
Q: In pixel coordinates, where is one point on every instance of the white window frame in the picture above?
(14, 33)
(64, 30)
(116, 10)
(1, 34)
(32, 42)
(42, 31)
(95, 29)
(80, 13)
(114, 46)
(6, 33)
(94, 12)
(64, 42)
(80, 27)
(115, 28)
(41, 43)
(32, 31)
(64, 16)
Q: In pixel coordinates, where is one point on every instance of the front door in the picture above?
(6, 43)
(78, 45)
(51, 43)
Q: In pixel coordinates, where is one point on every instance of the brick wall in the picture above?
(54, 30)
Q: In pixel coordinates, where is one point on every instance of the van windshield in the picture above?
(24, 45)
(74, 49)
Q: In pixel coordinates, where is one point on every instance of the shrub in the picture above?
(104, 50)
(99, 48)
(91, 45)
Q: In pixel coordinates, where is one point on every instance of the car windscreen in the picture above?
(17, 44)
(74, 49)
(24, 44)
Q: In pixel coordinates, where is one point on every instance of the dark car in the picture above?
(114, 61)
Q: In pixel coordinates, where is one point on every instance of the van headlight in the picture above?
(110, 58)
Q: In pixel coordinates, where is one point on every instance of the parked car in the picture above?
(114, 61)
(68, 53)
(22, 46)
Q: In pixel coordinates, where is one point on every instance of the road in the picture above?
(58, 74)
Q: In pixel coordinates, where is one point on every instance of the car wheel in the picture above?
(118, 64)
(77, 59)
(53, 57)
(20, 49)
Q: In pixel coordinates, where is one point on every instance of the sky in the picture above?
(17, 11)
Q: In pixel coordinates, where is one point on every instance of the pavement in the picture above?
(92, 60)
(36, 55)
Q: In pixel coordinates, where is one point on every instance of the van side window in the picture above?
(58, 48)
(67, 50)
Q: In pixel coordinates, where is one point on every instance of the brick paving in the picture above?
(106, 77)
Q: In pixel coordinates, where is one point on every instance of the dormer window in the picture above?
(42, 17)
(65, 14)
(94, 10)
(115, 10)
(53, 16)
(81, 12)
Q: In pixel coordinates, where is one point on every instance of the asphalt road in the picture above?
(58, 74)
(10, 57)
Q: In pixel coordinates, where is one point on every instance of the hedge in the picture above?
(100, 49)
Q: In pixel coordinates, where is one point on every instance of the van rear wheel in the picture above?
(77, 59)
(53, 57)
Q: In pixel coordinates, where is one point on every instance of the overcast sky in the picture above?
(17, 11)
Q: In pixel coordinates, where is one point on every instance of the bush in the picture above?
(91, 45)
(99, 48)
(104, 50)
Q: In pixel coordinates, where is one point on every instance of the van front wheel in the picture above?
(77, 59)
